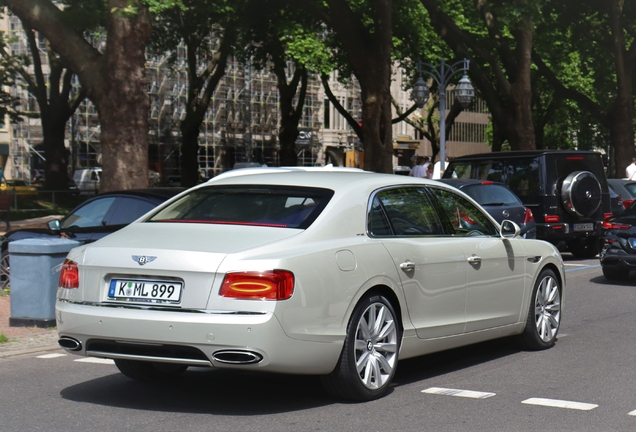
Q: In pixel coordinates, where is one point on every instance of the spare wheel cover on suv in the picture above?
(581, 193)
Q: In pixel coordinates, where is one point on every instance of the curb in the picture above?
(8, 354)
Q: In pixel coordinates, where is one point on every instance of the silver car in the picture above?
(324, 272)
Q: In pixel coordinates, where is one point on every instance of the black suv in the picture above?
(565, 189)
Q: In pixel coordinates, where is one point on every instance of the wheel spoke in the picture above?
(388, 347)
(388, 329)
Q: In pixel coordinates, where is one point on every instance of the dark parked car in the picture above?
(91, 220)
(618, 256)
(498, 200)
(616, 201)
(565, 189)
(625, 188)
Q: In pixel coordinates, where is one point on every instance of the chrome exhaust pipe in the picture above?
(70, 343)
(237, 357)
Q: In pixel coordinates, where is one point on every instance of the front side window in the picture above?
(464, 217)
(401, 212)
(258, 205)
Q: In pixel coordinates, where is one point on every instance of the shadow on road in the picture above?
(208, 391)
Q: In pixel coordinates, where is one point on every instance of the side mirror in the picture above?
(54, 225)
(509, 229)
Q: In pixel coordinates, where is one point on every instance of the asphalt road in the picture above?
(587, 380)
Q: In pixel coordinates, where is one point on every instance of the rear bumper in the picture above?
(617, 258)
(557, 232)
(191, 338)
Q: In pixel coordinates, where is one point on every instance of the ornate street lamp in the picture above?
(464, 92)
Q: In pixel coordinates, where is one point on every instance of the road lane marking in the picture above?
(632, 413)
(50, 356)
(556, 403)
(582, 268)
(95, 360)
(458, 393)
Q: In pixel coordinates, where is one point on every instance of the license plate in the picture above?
(583, 227)
(145, 291)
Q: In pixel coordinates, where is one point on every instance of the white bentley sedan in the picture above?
(326, 272)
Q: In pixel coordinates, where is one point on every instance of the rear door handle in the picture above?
(474, 259)
(407, 266)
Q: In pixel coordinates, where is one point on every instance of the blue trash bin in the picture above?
(35, 273)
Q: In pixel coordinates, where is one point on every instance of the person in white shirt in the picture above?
(418, 170)
(630, 171)
(427, 163)
(437, 170)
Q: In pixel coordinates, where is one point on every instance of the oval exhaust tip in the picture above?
(237, 357)
(70, 343)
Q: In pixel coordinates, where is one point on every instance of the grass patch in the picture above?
(5, 292)
(3, 338)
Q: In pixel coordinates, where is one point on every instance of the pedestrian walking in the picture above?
(630, 171)
(418, 170)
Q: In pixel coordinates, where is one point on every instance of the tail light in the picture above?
(552, 218)
(606, 223)
(529, 216)
(613, 225)
(627, 203)
(265, 285)
(69, 275)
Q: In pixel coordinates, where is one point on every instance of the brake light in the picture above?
(486, 182)
(627, 203)
(265, 285)
(529, 216)
(69, 275)
(574, 158)
(552, 218)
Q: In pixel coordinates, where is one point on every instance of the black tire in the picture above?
(149, 371)
(581, 193)
(5, 270)
(544, 313)
(376, 351)
(585, 248)
(615, 274)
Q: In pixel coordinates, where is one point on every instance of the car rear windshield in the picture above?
(257, 205)
(491, 195)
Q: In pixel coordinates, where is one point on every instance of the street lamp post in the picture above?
(442, 74)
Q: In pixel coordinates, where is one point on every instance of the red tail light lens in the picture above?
(627, 203)
(612, 225)
(529, 216)
(552, 218)
(69, 275)
(265, 285)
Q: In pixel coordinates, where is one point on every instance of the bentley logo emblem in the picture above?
(141, 260)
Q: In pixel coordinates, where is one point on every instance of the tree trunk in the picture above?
(521, 131)
(189, 152)
(370, 56)
(115, 81)
(56, 165)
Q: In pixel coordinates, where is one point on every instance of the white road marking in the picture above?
(95, 360)
(577, 265)
(50, 356)
(560, 404)
(459, 393)
(633, 413)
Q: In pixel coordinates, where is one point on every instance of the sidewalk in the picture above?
(24, 340)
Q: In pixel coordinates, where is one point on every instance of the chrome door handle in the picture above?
(474, 259)
(407, 266)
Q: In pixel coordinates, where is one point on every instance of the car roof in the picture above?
(264, 170)
(337, 180)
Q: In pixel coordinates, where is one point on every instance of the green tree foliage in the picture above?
(208, 29)
(586, 51)
(57, 101)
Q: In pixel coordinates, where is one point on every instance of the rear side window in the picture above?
(491, 194)
(403, 212)
(258, 205)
